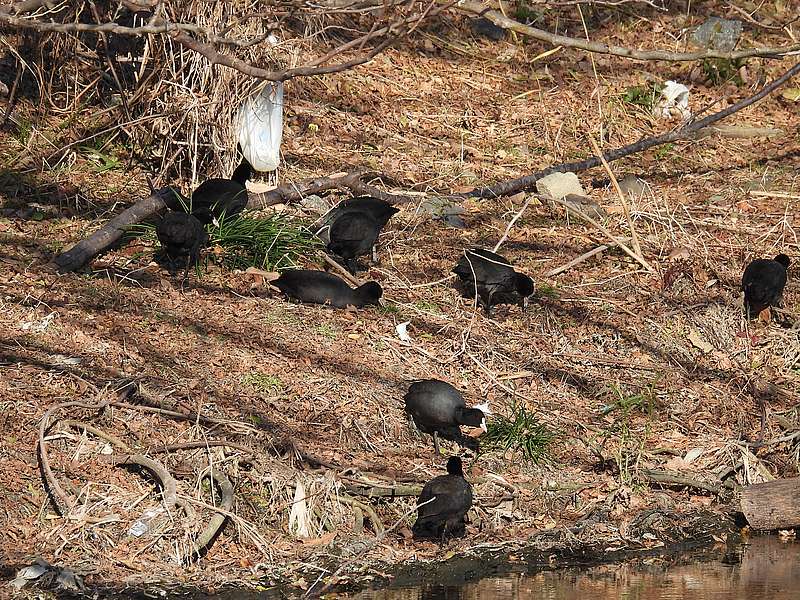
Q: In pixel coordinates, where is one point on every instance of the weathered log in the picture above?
(102, 239)
(773, 504)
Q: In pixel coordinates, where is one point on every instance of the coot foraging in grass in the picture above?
(218, 196)
(319, 287)
(763, 282)
(437, 408)
(181, 237)
(493, 277)
(448, 498)
(352, 235)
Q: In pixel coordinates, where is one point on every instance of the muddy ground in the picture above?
(654, 385)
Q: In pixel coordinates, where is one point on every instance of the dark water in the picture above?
(764, 568)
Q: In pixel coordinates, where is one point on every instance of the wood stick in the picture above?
(773, 504)
(577, 261)
(625, 207)
(342, 271)
(611, 236)
(111, 232)
(511, 223)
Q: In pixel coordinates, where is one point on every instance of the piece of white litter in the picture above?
(402, 331)
(38, 326)
(674, 101)
(298, 516)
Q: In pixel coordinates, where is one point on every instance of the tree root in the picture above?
(217, 523)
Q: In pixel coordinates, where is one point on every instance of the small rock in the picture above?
(631, 185)
(315, 204)
(437, 207)
(586, 205)
(453, 221)
(717, 34)
(557, 185)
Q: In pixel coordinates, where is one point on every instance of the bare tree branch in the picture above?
(505, 188)
(476, 8)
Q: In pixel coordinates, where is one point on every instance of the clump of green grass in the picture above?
(644, 96)
(267, 243)
(521, 432)
(626, 403)
(262, 382)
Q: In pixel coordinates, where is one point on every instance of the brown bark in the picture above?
(772, 505)
(82, 252)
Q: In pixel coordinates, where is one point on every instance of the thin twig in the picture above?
(511, 223)
(625, 207)
(604, 230)
(576, 261)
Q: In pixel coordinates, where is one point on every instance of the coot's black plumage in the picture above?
(354, 225)
(495, 279)
(181, 237)
(448, 499)
(319, 287)
(763, 282)
(218, 196)
(353, 234)
(380, 210)
(437, 408)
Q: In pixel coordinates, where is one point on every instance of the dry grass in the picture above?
(634, 371)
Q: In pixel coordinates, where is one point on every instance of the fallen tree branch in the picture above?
(528, 182)
(501, 20)
(217, 523)
(111, 232)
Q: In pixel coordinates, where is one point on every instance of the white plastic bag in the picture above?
(674, 101)
(261, 127)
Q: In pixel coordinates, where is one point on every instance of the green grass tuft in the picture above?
(262, 382)
(644, 96)
(521, 432)
(241, 241)
(270, 243)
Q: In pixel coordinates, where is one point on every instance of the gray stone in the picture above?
(632, 186)
(453, 221)
(717, 34)
(438, 207)
(315, 204)
(557, 185)
(586, 205)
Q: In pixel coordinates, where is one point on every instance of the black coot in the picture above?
(352, 235)
(181, 237)
(763, 282)
(353, 224)
(319, 287)
(380, 210)
(218, 196)
(493, 277)
(437, 408)
(448, 499)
